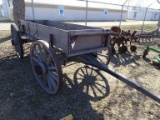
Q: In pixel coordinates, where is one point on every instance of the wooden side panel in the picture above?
(33, 29)
(60, 37)
(87, 42)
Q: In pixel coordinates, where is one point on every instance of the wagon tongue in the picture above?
(89, 59)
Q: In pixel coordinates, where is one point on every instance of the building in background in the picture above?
(139, 14)
(72, 12)
(1, 10)
(6, 8)
(67, 12)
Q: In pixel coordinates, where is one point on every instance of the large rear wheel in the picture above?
(46, 67)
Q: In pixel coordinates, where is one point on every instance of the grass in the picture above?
(2, 19)
(5, 35)
(147, 27)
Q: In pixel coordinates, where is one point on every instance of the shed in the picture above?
(139, 14)
(67, 11)
(73, 12)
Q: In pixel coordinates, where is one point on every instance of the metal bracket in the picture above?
(51, 42)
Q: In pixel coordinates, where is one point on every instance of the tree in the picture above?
(18, 10)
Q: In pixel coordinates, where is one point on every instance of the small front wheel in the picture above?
(46, 67)
(105, 55)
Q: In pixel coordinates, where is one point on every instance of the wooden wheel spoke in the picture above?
(45, 55)
(37, 54)
(49, 82)
(49, 60)
(36, 60)
(53, 76)
(53, 82)
(41, 53)
(44, 79)
(52, 68)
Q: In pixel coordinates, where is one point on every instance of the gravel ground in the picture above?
(87, 94)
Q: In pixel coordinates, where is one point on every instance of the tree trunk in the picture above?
(18, 10)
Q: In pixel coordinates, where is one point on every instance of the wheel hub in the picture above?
(41, 69)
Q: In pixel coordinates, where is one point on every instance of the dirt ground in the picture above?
(21, 97)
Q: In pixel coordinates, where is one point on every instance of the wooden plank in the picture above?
(86, 41)
(60, 37)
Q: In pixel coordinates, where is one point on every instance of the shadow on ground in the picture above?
(124, 59)
(22, 97)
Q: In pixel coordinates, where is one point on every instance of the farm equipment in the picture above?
(148, 36)
(156, 60)
(55, 43)
(121, 38)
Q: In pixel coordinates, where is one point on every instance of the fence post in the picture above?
(86, 12)
(33, 9)
(122, 13)
(144, 20)
(121, 16)
(145, 16)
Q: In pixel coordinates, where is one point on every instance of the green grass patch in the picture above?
(147, 27)
(5, 36)
(4, 33)
(2, 19)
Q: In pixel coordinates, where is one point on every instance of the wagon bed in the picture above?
(70, 39)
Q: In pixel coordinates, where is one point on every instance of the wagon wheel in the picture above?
(46, 67)
(16, 40)
(104, 56)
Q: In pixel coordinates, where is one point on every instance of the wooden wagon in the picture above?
(55, 43)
